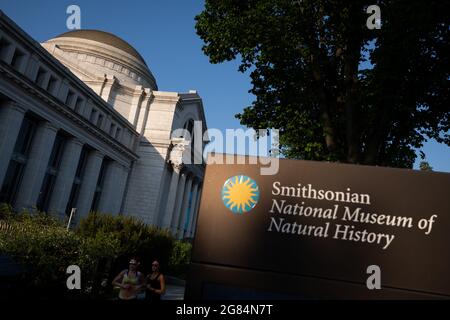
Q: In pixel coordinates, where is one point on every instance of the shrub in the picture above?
(5, 211)
(101, 246)
(135, 239)
(46, 249)
(180, 259)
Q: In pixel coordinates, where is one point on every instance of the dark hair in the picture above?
(159, 264)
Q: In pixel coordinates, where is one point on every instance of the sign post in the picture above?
(72, 213)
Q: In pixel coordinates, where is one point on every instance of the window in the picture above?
(99, 187)
(189, 125)
(111, 129)
(93, 115)
(5, 46)
(51, 173)
(73, 198)
(100, 120)
(118, 133)
(188, 211)
(17, 59)
(40, 78)
(52, 83)
(78, 105)
(12, 181)
(70, 98)
(18, 161)
(189, 134)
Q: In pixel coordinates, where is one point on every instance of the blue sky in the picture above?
(163, 32)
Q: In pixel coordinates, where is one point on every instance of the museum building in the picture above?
(83, 125)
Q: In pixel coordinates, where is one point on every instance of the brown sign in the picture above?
(313, 230)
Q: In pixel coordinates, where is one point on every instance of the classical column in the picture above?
(176, 160)
(184, 208)
(136, 105)
(37, 163)
(190, 216)
(126, 171)
(89, 183)
(66, 175)
(178, 203)
(108, 85)
(11, 116)
(195, 213)
(170, 203)
(160, 207)
(145, 108)
(113, 188)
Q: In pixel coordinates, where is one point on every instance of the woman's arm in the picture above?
(142, 282)
(162, 283)
(118, 280)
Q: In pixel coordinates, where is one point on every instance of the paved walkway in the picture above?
(174, 292)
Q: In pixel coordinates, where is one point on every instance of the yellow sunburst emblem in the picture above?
(240, 194)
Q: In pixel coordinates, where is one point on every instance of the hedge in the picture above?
(135, 239)
(101, 246)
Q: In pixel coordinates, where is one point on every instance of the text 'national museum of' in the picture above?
(83, 125)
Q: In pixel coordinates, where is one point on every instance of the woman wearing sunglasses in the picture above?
(155, 283)
(130, 281)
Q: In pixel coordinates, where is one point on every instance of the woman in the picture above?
(155, 283)
(130, 281)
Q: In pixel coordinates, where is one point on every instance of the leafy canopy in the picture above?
(337, 90)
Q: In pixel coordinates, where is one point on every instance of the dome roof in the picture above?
(103, 53)
(104, 37)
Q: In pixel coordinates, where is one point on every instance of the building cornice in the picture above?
(106, 52)
(36, 47)
(166, 97)
(195, 99)
(53, 102)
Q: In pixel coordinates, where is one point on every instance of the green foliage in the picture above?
(5, 211)
(100, 246)
(337, 90)
(425, 166)
(46, 248)
(135, 239)
(36, 241)
(180, 258)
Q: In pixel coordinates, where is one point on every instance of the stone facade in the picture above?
(83, 125)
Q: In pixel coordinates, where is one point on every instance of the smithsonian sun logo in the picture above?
(240, 194)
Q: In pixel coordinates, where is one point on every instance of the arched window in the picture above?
(189, 127)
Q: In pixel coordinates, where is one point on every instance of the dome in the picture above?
(105, 53)
(103, 37)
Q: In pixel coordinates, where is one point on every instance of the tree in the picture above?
(425, 166)
(337, 90)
